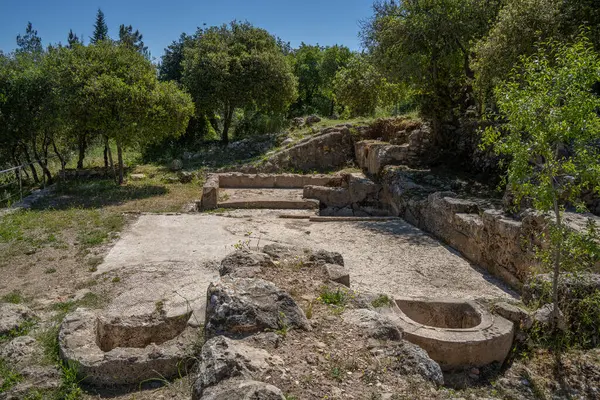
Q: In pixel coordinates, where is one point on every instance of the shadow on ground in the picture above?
(95, 194)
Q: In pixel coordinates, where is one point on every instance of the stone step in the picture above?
(319, 218)
(270, 203)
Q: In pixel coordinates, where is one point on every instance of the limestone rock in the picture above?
(239, 307)
(520, 317)
(235, 389)
(327, 257)
(278, 251)
(21, 350)
(410, 359)
(544, 316)
(244, 263)
(222, 358)
(287, 142)
(12, 316)
(185, 177)
(176, 165)
(374, 324)
(338, 273)
(137, 177)
(312, 119)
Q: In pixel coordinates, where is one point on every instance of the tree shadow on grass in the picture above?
(95, 194)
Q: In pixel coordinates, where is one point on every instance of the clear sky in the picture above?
(326, 22)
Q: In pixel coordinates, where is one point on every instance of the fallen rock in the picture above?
(13, 316)
(287, 142)
(327, 257)
(239, 389)
(312, 119)
(338, 273)
(176, 165)
(239, 307)
(222, 358)
(544, 317)
(278, 251)
(137, 177)
(410, 359)
(244, 263)
(517, 315)
(21, 351)
(374, 324)
(185, 177)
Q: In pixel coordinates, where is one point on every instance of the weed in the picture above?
(289, 397)
(13, 297)
(50, 270)
(309, 310)
(20, 330)
(337, 373)
(8, 377)
(116, 279)
(283, 325)
(338, 297)
(382, 300)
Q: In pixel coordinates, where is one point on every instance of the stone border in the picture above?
(78, 342)
(214, 182)
(481, 345)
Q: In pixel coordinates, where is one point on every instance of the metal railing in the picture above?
(9, 185)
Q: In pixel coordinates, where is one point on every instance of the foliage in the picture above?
(361, 88)
(339, 297)
(30, 42)
(316, 67)
(171, 65)
(100, 29)
(550, 132)
(428, 46)
(8, 376)
(133, 39)
(237, 66)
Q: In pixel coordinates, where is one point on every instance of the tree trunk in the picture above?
(63, 163)
(82, 147)
(112, 164)
(120, 160)
(332, 107)
(105, 152)
(226, 125)
(36, 179)
(557, 260)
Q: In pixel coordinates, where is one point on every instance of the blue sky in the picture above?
(325, 22)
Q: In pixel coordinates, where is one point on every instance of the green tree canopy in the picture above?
(551, 133)
(237, 66)
(100, 28)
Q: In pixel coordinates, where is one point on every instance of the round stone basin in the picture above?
(455, 333)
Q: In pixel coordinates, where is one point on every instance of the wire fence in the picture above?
(18, 182)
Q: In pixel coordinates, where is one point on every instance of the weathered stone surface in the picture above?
(235, 389)
(222, 358)
(328, 196)
(543, 317)
(517, 315)
(410, 359)
(278, 251)
(239, 307)
(338, 273)
(244, 263)
(327, 257)
(176, 165)
(373, 324)
(121, 365)
(137, 177)
(12, 316)
(21, 351)
(210, 193)
(185, 177)
(312, 119)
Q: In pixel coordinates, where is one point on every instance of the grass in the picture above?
(383, 300)
(14, 297)
(8, 376)
(339, 297)
(21, 330)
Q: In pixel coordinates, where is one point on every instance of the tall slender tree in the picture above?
(134, 39)
(30, 42)
(100, 28)
(73, 39)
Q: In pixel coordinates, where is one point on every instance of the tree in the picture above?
(30, 42)
(550, 134)
(427, 44)
(361, 87)
(100, 28)
(237, 66)
(128, 37)
(171, 66)
(114, 90)
(73, 39)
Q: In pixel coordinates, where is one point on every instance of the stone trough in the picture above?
(455, 333)
(113, 351)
